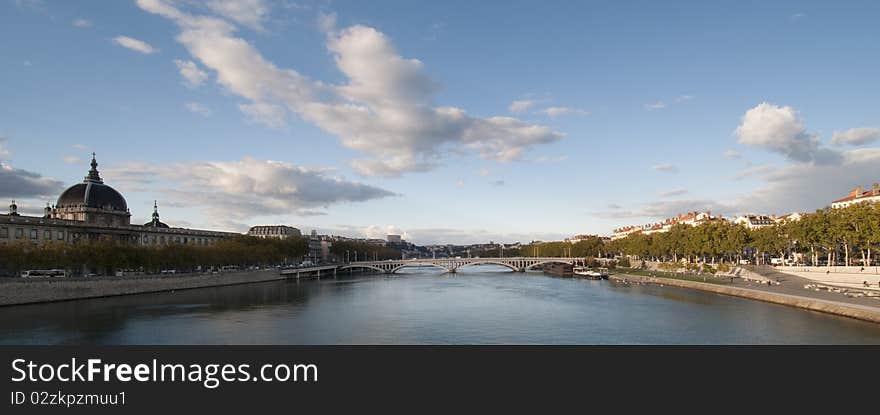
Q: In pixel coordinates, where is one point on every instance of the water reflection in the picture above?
(420, 306)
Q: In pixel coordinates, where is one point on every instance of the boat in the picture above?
(586, 272)
(559, 270)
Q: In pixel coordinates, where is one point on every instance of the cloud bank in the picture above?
(384, 108)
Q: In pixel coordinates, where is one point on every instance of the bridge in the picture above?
(451, 265)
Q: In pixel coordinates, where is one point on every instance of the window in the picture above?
(47, 235)
(33, 234)
(60, 235)
(4, 232)
(19, 233)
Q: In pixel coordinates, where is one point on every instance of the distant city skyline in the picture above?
(514, 121)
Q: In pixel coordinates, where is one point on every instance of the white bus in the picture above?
(43, 273)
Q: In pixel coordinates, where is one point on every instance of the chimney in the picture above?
(875, 190)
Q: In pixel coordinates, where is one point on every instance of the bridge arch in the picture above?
(361, 266)
(509, 266)
(402, 266)
(552, 261)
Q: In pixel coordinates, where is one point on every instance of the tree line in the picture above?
(846, 236)
(103, 256)
(362, 251)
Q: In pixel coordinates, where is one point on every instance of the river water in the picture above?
(479, 305)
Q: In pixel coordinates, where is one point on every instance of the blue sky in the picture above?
(445, 121)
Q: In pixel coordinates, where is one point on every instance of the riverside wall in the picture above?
(856, 311)
(39, 290)
(855, 277)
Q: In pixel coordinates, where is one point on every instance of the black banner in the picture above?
(330, 378)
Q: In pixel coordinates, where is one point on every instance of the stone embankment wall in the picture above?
(856, 311)
(842, 276)
(39, 290)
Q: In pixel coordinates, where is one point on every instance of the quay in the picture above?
(787, 295)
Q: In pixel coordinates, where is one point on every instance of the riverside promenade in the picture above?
(787, 290)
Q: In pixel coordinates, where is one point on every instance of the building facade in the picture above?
(93, 211)
(274, 231)
(858, 195)
(691, 218)
(755, 221)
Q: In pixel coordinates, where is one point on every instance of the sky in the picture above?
(446, 122)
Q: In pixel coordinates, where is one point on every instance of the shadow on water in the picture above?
(94, 319)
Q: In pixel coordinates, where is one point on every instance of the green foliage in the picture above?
(849, 235)
(590, 247)
(364, 251)
(105, 256)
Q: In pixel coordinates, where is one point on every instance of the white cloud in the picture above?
(856, 136)
(666, 167)
(238, 190)
(82, 23)
(661, 209)
(781, 130)
(198, 108)
(730, 154)
(384, 108)
(549, 159)
(191, 73)
(521, 106)
(807, 187)
(250, 13)
(381, 232)
(659, 105)
(673, 192)
(327, 22)
(134, 44)
(79, 146)
(4, 153)
(554, 112)
(683, 98)
(270, 115)
(72, 159)
(757, 170)
(800, 187)
(484, 172)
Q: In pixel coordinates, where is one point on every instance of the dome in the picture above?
(93, 193)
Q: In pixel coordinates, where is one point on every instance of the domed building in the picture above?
(92, 201)
(92, 210)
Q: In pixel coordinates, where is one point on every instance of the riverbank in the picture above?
(16, 291)
(856, 311)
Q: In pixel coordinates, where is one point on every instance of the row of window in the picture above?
(19, 233)
(34, 234)
(153, 240)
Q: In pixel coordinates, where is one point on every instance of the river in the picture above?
(478, 305)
